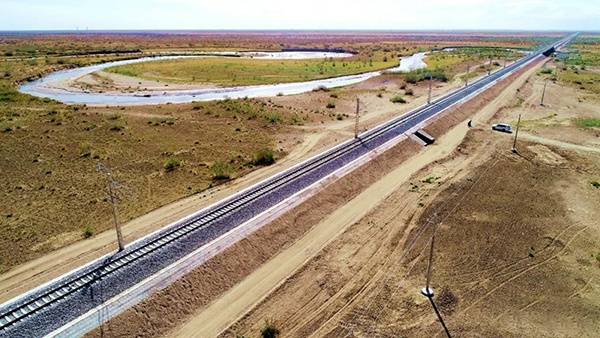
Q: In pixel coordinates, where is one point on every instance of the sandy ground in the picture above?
(106, 82)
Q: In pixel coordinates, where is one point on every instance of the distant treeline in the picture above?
(98, 52)
(74, 53)
(324, 50)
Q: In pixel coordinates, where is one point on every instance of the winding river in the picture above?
(53, 86)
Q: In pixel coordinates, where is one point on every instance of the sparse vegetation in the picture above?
(171, 164)
(273, 118)
(424, 74)
(85, 150)
(88, 232)
(596, 184)
(264, 157)
(225, 71)
(330, 105)
(269, 330)
(221, 170)
(588, 123)
(397, 99)
(431, 179)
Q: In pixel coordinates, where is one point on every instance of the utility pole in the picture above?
(429, 95)
(357, 118)
(544, 92)
(111, 185)
(505, 60)
(427, 291)
(490, 66)
(514, 147)
(467, 76)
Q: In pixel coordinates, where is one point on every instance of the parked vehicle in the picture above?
(502, 127)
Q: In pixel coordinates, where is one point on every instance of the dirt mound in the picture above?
(544, 154)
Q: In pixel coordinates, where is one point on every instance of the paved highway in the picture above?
(51, 306)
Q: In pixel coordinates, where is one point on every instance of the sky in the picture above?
(580, 15)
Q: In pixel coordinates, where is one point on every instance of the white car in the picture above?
(503, 127)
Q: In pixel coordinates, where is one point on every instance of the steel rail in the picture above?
(15, 311)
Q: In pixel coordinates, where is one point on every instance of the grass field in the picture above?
(585, 80)
(243, 71)
(585, 52)
(580, 67)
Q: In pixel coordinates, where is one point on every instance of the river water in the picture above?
(53, 85)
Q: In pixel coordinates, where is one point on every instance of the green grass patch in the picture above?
(588, 123)
(584, 80)
(584, 52)
(425, 74)
(244, 71)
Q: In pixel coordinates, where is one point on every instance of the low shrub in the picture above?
(171, 164)
(398, 99)
(321, 89)
(116, 127)
(221, 171)
(273, 118)
(88, 232)
(264, 157)
(269, 330)
(330, 105)
(85, 150)
(424, 74)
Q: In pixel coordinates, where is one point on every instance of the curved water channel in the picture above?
(54, 86)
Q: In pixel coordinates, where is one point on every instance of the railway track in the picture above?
(50, 306)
